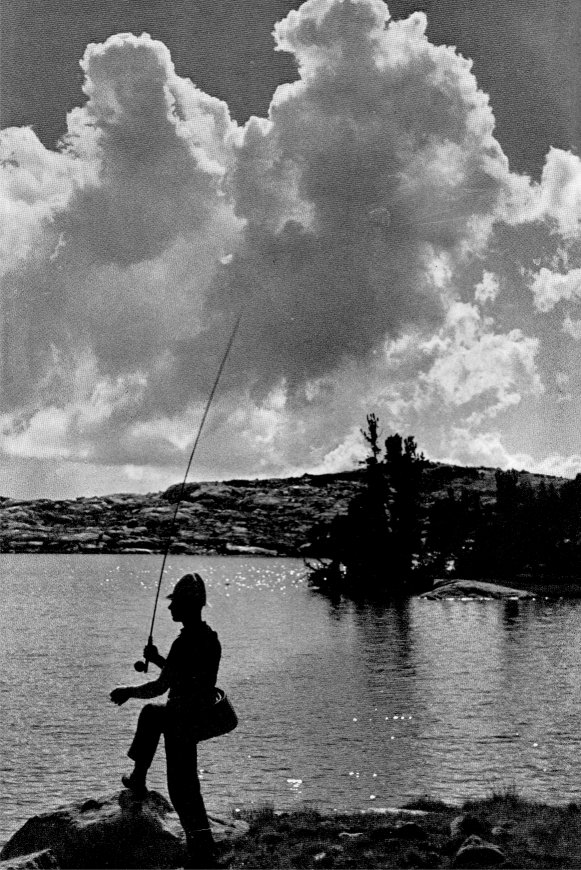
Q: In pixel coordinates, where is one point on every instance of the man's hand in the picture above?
(120, 695)
(151, 654)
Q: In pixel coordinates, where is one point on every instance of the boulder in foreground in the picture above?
(115, 831)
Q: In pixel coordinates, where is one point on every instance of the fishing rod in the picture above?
(142, 665)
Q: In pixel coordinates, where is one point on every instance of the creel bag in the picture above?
(218, 719)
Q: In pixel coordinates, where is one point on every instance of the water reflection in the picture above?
(341, 705)
(511, 612)
(487, 694)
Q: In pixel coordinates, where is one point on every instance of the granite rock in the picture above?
(115, 831)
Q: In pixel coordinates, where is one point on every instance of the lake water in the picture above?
(342, 706)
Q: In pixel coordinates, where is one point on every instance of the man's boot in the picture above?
(200, 851)
(135, 782)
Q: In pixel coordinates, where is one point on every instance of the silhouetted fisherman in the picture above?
(189, 672)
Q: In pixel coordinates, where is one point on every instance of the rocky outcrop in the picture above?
(253, 517)
(474, 589)
(115, 831)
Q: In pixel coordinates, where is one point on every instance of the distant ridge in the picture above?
(270, 517)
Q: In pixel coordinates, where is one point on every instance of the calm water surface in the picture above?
(343, 706)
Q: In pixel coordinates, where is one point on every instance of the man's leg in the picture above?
(150, 726)
(186, 795)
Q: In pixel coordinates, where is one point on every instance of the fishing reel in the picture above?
(142, 666)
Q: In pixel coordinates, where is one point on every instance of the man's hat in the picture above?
(190, 588)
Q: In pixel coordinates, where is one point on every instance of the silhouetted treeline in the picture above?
(375, 546)
(394, 540)
(529, 530)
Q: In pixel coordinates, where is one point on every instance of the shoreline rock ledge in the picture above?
(474, 589)
(115, 831)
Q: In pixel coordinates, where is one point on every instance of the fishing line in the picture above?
(142, 665)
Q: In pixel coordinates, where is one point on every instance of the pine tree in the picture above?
(382, 532)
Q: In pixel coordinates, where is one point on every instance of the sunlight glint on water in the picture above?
(340, 705)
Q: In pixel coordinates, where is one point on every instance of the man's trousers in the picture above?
(181, 759)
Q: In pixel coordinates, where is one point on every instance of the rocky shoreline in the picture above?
(118, 831)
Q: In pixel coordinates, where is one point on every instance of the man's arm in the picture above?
(151, 689)
(146, 690)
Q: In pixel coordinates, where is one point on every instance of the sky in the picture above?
(389, 197)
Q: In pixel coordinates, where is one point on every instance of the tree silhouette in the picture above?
(374, 547)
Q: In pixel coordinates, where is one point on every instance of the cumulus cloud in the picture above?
(469, 447)
(343, 226)
(559, 194)
(487, 449)
(487, 289)
(476, 367)
(128, 220)
(378, 161)
(549, 288)
(35, 183)
(554, 199)
(572, 327)
(465, 375)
